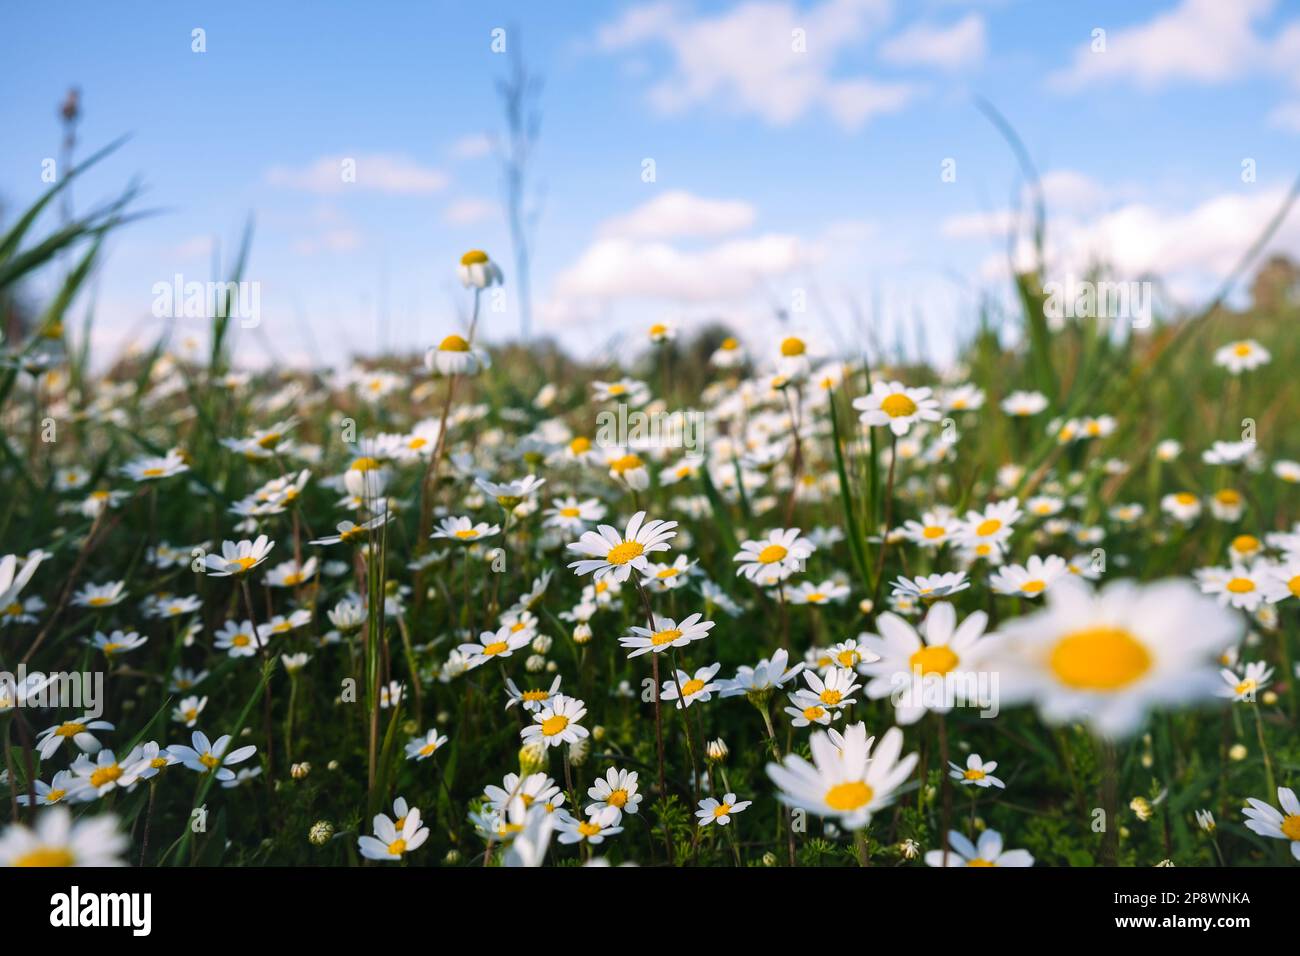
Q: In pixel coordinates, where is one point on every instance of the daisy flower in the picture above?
(80, 731)
(892, 404)
(763, 678)
(615, 556)
(153, 759)
(988, 852)
(1182, 506)
(720, 811)
(626, 390)
(118, 642)
(501, 643)
(783, 550)
(151, 468)
(993, 525)
(392, 842)
(570, 514)
(49, 794)
(56, 840)
(816, 594)
(511, 494)
(1227, 504)
(976, 773)
(1286, 574)
(1105, 658)
(100, 595)
(1245, 686)
(557, 723)
(728, 354)
(686, 689)
(1241, 586)
(516, 794)
(14, 578)
(665, 635)
(930, 586)
(96, 778)
(1243, 355)
(1032, 580)
(188, 710)
(290, 574)
(667, 577)
(629, 467)
(455, 356)
(280, 624)
(239, 557)
(1268, 822)
(1024, 404)
(835, 692)
(350, 533)
(964, 398)
(422, 748)
(210, 756)
(617, 790)
(239, 639)
(940, 653)
(846, 782)
(464, 530)
(805, 711)
(935, 529)
(594, 829)
(531, 700)
(478, 271)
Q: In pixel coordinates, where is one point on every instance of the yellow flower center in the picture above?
(99, 601)
(1291, 826)
(692, 686)
(626, 463)
(1245, 687)
(69, 729)
(1228, 496)
(1241, 349)
(987, 527)
(1245, 542)
(46, 856)
(209, 761)
(465, 534)
(658, 329)
(580, 444)
(831, 697)
(1033, 587)
(453, 343)
(1294, 585)
(793, 347)
(815, 597)
(815, 712)
(772, 554)
(536, 695)
(847, 658)
(721, 810)
(617, 799)
(54, 796)
(625, 552)
(428, 749)
(665, 637)
(569, 512)
(365, 464)
(1099, 659)
(1240, 585)
(933, 531)
(933, 659)
(496, 647)
(898, 405)
(397, 847)
(974, 775)
(105, 775)
(978, 862)
(554, 725)
(729, 345)
(849, 796)
(1185, 498)
(152, 472)
(14, 609)
(588, 829)
(157, 763)
(475, 257)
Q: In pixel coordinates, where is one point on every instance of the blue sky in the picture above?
(776, 170)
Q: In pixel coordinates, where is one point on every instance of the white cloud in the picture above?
(948, 48)
(379, 172)
(474, 146)
(1069, 189)
(620, 269)
(749, 59)
(676, 214)
(330, 240)
(1202, 41)
(468, 212)
(979, 225)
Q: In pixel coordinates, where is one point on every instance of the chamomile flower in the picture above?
(422, 748)
(291, 574)
(930, 587)
(454, 355)
(478, 271)
(1245, 687)
(512, 494)
(916, 666)
(782, 551)
(1241, 586)
(391, 842)
(666, 634)
(81, 731)
(668, 577)
(976, 773)
(1182, 506)
(686, 689)
(616, 790)
(987, 852)
(964, 398)
(993, 525)
(531, 700)
(495, 644)
(845, 782)
(464, 530)
(1105, 658)
(56, 840)
(557, 723)
(207, 756)
(610, 554)
(49, 794)
(570, 514)
(935, 529)
(188, 710)
(828, 592)
(152, 468)
(712, 810)
(763, 678)
(892, 404)
(1032, 580)
(239, 557)
(1024, 404)
(100, 595)
(119, 642)
(92, 779)
(594, 830)
(1267, 821)
(834, 692)
(729, 354)
(628, 467)
(1244, 355)
(1227, 504)
(239, 639)
(13, 577)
